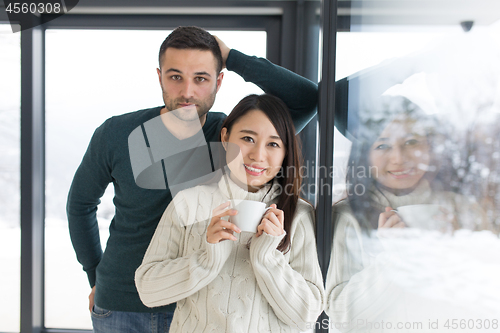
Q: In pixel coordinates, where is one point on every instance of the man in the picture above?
(190, 75)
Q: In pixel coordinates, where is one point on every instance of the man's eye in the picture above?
(175, 77)
(201, 79)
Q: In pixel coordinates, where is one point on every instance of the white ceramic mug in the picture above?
(423, 216)
(249, 215)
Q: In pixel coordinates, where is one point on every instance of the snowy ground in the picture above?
(67, 288)
(459, 271)
(10, 239)
(441, 282)
(66, 284)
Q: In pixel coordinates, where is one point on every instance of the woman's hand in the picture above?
(219, 229)
(390, 219)
(272, 222)
(224, 49)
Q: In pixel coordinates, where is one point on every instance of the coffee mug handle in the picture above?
(265, 211)
(397, 213)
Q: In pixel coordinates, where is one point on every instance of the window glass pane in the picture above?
(10, 129)
(234, 88)
(92, 75)
(416, 234)
(383, 43)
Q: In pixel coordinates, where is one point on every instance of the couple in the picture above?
(223, 279)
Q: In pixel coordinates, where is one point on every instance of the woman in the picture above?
(392, 164)
(226, 280)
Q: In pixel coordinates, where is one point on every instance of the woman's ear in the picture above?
(223, 137)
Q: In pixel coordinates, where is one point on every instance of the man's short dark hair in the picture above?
(192, 38)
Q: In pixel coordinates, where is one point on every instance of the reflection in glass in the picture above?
(416, 237)
(10, 129)
(92, 75)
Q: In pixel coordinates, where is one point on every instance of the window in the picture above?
(10, 196)
(362, 50)
(92, 75)
(420, 152)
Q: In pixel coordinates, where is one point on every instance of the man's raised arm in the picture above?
(298, 93)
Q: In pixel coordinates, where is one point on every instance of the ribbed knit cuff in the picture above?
(264, 247)
(92, 277)
(218, 253)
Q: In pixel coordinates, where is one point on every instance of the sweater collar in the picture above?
(231, 190)
(421, 194)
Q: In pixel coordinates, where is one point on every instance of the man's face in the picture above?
(189, 82)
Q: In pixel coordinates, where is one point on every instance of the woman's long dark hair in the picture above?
(288, 178)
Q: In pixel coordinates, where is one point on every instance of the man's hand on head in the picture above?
(224, 49)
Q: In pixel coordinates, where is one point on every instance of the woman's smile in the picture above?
(254, 171)
(402, 173)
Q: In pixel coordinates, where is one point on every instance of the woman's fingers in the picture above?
(276, 212)
(268, 227)
(272, 222)
(383, 217)
(221, 209)
(222, 234)
(400, 224)
(271, 217)
(390, 219)
(226, 225)
(220, 229)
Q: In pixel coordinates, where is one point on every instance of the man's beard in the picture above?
(187, 113)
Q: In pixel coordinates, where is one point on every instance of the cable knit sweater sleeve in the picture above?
(293, 287)
(358, 288)
(166, 275)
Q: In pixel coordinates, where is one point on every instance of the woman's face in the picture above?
(400, 155)
(260, 154)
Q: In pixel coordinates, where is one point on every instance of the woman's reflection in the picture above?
(393, 199)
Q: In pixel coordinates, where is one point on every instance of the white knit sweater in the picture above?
(371, 281)
(226, 287)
